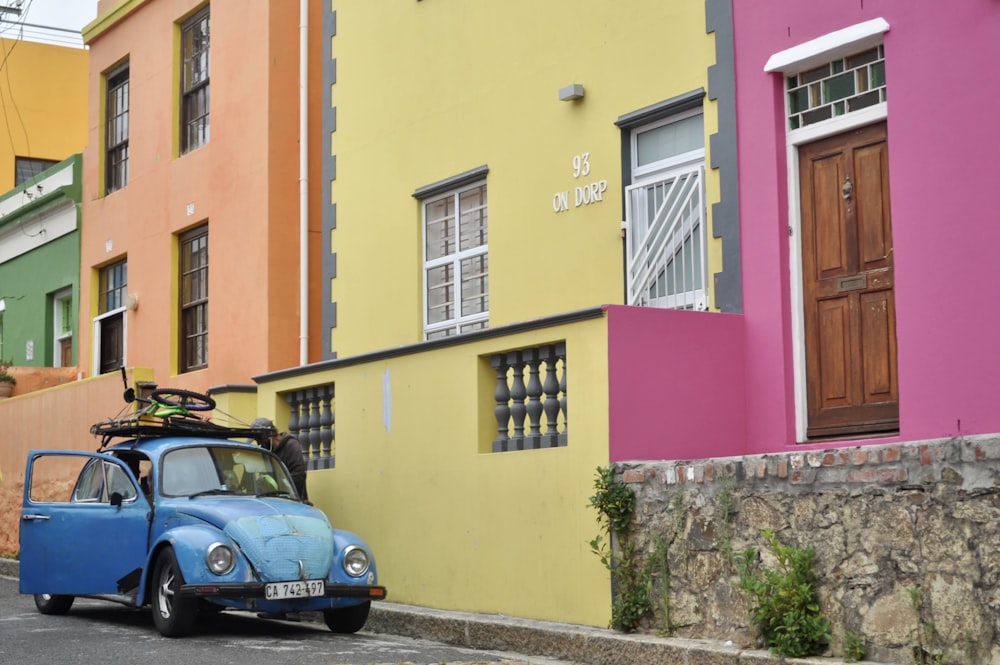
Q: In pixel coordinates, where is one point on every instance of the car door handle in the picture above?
(29, 518)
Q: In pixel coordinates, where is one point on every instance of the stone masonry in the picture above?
(907, 542)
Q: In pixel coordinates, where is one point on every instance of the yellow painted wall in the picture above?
(427, 90)
(43, 95)
(452, 527)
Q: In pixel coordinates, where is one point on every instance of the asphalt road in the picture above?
(101, 632)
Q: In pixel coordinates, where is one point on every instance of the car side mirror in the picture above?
(116, 499)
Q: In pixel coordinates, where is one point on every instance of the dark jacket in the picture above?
(290, 451)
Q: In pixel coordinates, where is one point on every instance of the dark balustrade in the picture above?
(539, 403)
(311, 421)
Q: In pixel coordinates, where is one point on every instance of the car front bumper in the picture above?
(256, 590)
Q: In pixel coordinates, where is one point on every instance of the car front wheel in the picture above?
(49, 604)
(173, 615)
(347, 619)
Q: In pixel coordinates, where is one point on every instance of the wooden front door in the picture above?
(847, 275)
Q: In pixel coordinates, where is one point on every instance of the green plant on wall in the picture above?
(630, 580)
(854, 647)
(783, 601)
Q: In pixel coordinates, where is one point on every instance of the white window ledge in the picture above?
(830, 46)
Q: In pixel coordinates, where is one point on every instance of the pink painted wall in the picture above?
(676, 388)
(943, 86)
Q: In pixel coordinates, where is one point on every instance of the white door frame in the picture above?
(793, 139)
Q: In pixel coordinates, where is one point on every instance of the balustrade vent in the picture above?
(530, 398)
(312, 422)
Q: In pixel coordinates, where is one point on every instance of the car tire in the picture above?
(173, 615)
(49, 604)
(346, 620)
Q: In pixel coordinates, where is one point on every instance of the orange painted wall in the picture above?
(244, 182)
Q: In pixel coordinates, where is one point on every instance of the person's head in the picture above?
(267, 424)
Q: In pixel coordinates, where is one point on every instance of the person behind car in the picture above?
(288, 448)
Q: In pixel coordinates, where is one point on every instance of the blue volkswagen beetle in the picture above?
(185, 516)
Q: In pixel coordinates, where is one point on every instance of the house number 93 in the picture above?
(581, 164)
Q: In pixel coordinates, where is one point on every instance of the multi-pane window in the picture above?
(836, 88)
(194, 81)
(456, 262)
(109, 326)
(194, 299)
(26, 168)
(62, 329)
(116, 131)
(665, 215)
(112, 283)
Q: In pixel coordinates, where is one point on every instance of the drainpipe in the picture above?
(303, 182)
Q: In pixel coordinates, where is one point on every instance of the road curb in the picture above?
(562, 641)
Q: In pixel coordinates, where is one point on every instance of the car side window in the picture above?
(90, 486)
(99, 480)
(118, 481)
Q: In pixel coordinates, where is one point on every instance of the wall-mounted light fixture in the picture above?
(571, 92)
(131, 302)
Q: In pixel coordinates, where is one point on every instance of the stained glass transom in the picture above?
(836, 88)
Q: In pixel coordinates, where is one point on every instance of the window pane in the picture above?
(440, 294)
(475, 283)
(670, 140)
(473, 223)
(440, 230)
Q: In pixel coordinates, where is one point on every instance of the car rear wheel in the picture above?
(49, 604)
(173, 615)
(347, 619)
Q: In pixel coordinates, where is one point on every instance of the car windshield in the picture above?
(220, 470)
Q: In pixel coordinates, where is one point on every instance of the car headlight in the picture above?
(355, 561)
(220, 558)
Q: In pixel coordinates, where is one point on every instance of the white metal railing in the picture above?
(665, 240)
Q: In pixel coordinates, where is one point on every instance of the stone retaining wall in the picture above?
(907, 541)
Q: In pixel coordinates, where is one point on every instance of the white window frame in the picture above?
(792, 61)
(95, 351)
(95, 359)
(659, 171)
(57, 334)
(458, 324)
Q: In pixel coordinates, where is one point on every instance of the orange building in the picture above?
(192, 228)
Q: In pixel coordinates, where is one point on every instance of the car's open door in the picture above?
(82, 537)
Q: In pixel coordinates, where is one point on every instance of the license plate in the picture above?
(306, 589)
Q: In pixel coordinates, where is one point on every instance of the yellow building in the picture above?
(496, 174)
(43, 97)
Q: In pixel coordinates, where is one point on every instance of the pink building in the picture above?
(868, 242)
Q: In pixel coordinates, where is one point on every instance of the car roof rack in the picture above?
(151, 429)
(171, 413)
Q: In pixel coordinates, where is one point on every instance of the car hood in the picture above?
(283, 540)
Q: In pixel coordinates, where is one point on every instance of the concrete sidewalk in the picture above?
(560, 641)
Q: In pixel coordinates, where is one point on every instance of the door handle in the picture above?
(848, 189)
(30, 518)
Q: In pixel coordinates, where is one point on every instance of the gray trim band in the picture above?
(420, 347)
(454, 182)
(660, 110)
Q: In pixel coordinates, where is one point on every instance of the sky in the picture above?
(63, 14)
